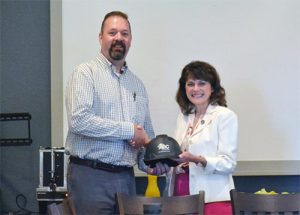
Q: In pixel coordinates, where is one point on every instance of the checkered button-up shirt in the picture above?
(102, 108)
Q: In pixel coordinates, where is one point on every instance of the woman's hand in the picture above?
(186, 156)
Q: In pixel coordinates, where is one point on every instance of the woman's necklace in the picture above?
(195, 124)
(198, 119)
(191, 128)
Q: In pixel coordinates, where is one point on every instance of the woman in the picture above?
(207, 132)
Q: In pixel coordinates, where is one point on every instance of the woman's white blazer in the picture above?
(216, 140)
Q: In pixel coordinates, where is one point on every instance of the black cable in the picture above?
(23, 210)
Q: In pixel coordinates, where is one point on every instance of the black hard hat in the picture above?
(162, 148)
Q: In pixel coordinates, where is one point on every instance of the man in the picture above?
(109, 123)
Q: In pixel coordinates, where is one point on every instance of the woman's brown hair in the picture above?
(199, 70)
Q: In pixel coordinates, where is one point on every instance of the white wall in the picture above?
(254, 44)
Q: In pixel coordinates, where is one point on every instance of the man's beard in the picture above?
(117, 54)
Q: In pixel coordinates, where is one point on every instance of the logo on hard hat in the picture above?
(163, 148)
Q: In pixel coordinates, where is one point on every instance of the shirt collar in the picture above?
(110, 65)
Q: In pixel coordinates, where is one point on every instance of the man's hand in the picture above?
(159, 169)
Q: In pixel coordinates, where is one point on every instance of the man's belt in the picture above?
(99, 165)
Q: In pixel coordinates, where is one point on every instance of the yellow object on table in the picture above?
(264, 191)
(152, 189)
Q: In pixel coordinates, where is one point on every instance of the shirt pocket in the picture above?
(140, 106)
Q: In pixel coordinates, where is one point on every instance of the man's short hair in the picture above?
(115, 13)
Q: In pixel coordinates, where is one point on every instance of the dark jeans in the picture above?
(93, 190)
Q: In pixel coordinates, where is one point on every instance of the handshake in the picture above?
(140, 137)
